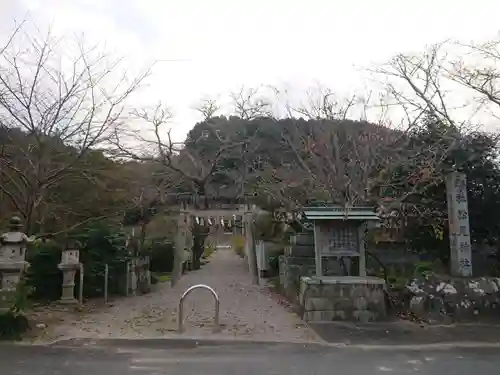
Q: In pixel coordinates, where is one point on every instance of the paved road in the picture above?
(405, 333)
(261, 359)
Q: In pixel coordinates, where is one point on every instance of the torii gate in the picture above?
(189, 211)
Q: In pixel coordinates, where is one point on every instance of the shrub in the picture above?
(209, 250)
(43, 276)
(13, 322)
(162, 256)
(100, 244)
(238, 243)
(13, 325)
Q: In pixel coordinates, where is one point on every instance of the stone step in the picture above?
(302, 239)
(300, 250)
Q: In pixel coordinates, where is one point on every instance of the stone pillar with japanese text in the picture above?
(458, 219)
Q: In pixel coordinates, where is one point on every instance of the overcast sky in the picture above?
(210, 47)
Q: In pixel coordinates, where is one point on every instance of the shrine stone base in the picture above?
(344, 298)
(292, 268)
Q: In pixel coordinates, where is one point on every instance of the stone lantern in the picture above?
(12, 261)
(70, 263)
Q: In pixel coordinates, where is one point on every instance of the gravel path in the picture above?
(247, 311)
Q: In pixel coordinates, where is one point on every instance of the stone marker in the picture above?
(458, 219)
(70, 263)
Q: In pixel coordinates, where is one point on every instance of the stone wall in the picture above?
(298, 260)
(442, 299)
(349, 298)
(397, 260)
(291, 270)
(401, 260)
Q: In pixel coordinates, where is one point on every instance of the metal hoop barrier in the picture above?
(181, 306)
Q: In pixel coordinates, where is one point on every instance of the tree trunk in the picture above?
(198, 249)
(196, 261)
(28, 219)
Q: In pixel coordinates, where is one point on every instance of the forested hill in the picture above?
(51, 185)
(316, 154)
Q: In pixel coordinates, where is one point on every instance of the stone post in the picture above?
(362, 248)
(143, 274)
(12, 262)
(70, 263)
(133, 248)
(132, 276)
(180, 244)
(458, 219)
(250, 247)
(188, 238)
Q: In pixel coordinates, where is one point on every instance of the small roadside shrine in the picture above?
(339, 233)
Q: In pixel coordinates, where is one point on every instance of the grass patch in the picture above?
(209, 250)
(164, 277)
(160, 277)
(238, 243)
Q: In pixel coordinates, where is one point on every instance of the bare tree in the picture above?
(322, 103)
(447, 90)
(55, 109)
(208, 108)
(477, 70)
(195, 161)
(415, 83)
(420, 92)
(249, 103)
(210, 157)
(325, 155)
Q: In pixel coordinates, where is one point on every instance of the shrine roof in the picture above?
(340, 213)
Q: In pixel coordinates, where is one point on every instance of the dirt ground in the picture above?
(247, 311)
